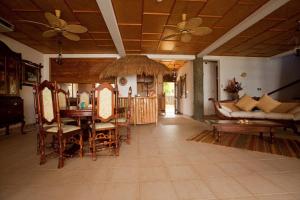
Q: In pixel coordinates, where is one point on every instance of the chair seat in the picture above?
(103, 125)
(120, 120)
(65, 129)
(49, 125)
(67, 120)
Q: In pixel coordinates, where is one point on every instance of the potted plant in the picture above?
(233, 87)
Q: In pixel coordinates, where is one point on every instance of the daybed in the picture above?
(287, 113)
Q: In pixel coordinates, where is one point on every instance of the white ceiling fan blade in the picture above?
(50, 33)
(71, 36)
(52, 19)
(74, 28)
(181, 25)
(194, 22)
(186, 37)
(62, 23)
(201, 31)
(170, 36)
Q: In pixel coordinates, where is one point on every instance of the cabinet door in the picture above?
(2, 75)
(12, 67)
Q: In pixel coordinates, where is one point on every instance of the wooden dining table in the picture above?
(75, 111)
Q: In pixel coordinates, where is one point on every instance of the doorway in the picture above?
(169, 91)
(210, 85)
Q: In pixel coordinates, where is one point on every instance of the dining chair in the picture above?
(50, 123)
(104, 134)
(83, 97)
(63, 102)
(124, 120)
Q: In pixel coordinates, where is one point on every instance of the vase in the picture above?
(234, 96)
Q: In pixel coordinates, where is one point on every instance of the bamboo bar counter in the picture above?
(144, 110)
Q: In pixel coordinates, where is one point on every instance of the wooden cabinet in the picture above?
(10, 71)
(11, 105)
(11, 109)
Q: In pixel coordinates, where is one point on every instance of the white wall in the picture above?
(186, 104)
(230, 67)
(287, 70)
(264, 73)
(26, 93)
(209, 86)
(131, 82)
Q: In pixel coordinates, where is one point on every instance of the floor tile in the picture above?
(157, 190)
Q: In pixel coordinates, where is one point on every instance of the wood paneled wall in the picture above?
(78, 70)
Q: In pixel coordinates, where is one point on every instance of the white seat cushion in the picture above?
(66, 120)
(65, 128)
(224, 111)
(252, 114)
(103, 125)
(283, 116)
(120, 120)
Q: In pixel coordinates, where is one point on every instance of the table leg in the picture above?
(271, 136)
(261, 135)
(219, 136)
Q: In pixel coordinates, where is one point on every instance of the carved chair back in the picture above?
(47, 104)
(83, 97)
(63, 98)
(104, 103)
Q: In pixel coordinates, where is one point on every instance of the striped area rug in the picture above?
(280, 146)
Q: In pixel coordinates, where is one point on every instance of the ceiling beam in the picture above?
(170, 57)
(109, 16)
(259, 14)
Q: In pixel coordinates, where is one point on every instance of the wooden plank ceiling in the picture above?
(84, 12)
(143, 24)
(274, 34)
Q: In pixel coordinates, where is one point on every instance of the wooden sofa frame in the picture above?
(286, 123)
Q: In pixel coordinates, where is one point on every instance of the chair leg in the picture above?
(42, 149)
(81, 145)
(94, 146)
(61, 151)
(128, 134)
(116, 142)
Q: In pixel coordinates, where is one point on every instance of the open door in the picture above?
(169, 91)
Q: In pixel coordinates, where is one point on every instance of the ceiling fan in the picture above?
(59, 27)
(186, 28)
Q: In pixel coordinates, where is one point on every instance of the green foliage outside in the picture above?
(169, 88)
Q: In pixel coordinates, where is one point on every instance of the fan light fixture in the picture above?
(186, 28)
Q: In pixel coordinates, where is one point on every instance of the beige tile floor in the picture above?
(158, 165)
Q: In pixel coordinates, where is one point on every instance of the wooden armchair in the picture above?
(104, 131)
(50, 123)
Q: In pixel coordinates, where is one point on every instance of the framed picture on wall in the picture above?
(183, 92)
(31, 73)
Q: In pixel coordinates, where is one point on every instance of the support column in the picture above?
(198, 89)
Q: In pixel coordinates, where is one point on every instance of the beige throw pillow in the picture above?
(231, 106)
(246, 103)
(285, 107)
(267, 104)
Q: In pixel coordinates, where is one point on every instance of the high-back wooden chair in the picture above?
(124, 120)
(50, 122)
(83, 97)
(104, 124)
(64, 103)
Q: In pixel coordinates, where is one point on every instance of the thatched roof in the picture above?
(134, 64)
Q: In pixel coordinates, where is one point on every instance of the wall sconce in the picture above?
(243, 74)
